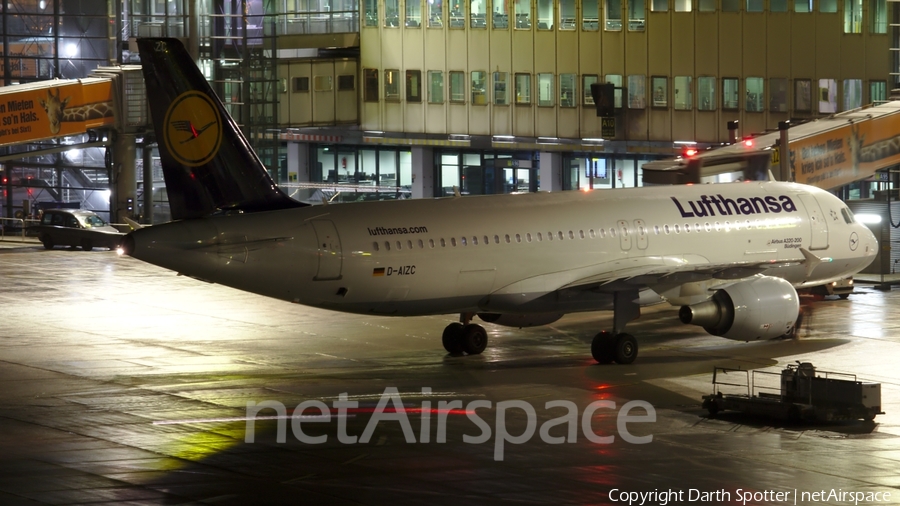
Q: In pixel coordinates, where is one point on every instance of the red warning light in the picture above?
(748, 143)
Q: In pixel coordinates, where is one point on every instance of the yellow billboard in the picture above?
(33, 112)
(846, 154)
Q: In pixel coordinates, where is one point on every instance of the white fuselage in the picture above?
(528, 253)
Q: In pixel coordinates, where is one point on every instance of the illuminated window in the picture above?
(500, 88)
(755, 94)
(413, 85)
(878, 16)
(567, 90)
(637, 96)
(613, 15)
(684, 99)
(523, 89)
(391, 13)
(706, 93)
(478, 14)
(853, 16)
(435, 87)
(803, 95)
(413, 13)
(479, 91)
(392, 85)
(730, 94)
(590, 15)
(545, 89)
(457, 87)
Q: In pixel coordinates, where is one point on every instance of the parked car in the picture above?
(76, 227)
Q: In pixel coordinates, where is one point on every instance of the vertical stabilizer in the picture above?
(207, 162)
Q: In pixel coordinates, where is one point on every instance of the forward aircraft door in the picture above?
(817, 223)
(329, 250)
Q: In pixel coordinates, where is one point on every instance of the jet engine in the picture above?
(520, 320)
(764, 307)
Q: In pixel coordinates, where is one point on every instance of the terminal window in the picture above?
(637, 93)
(878, 16)
(545, 89)
(523, 89)
(590, 15)
(586, 81)
(852, 94)
(500, 79)
(706, 93)
(413, 85)
(567, 90)
(392, 84)
(778, 93)
(435, 87)
(660, 87)
(371, 85)
(730, 93)
(457, 87)
(684, 99)
(803, 95)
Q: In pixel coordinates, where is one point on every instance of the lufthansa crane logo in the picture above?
(193, 129)
(854, 241)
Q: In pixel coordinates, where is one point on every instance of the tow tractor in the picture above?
(805, 394)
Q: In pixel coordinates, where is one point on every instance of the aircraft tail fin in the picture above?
(207, 162)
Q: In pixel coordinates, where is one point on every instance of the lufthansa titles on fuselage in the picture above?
(717, 205)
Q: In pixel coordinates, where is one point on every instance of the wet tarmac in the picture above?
(121, 383)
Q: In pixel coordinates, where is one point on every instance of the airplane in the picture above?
(731, 255)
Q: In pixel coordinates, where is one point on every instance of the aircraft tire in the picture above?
(452, 338)
(626, 349)
(474, 339)
(602, 348)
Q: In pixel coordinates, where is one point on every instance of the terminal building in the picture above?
(391, 98)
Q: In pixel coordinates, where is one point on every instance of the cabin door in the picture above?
(329, 250)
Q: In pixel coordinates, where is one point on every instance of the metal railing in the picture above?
(21, 223)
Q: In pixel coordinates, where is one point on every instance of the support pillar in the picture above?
(422, 172)
(550, 169)
(784, 149)
(298, 162)
(125, 179)
(147, 205)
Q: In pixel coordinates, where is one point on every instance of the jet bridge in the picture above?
(828, 153)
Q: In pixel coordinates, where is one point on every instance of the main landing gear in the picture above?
(464, 336)
(618, 346)
(608, 347)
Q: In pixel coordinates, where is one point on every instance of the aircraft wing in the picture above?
(660, 273)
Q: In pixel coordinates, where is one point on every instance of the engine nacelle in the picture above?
(520, 320)
(760, 308)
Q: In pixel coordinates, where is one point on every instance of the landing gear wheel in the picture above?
(625, 349)
(474, 339)
(47, 241)
(86, 245)
(844, 296)
(602, 347)
(452, 338)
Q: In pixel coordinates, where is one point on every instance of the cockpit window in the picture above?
(848, 216)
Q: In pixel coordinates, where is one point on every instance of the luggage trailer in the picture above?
(805, 394)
